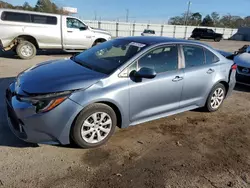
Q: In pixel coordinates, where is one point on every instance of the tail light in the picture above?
(234, 67)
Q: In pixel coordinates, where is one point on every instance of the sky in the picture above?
(153, 11)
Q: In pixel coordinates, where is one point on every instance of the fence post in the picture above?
(185, 34)
(174, 31)
(117, 29)
(148, 26)
(133, 34)
(162, 26)
(99, 25)
(231, 33)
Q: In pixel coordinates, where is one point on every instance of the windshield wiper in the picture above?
(81, 63)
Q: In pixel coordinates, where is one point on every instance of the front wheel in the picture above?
(217, 39)
(216, 98)
(94, 126)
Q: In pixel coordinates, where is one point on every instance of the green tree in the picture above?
(207, 21)
(177, 20)
(196, 19)
(45, 6)
(26, 6)
(215, 17)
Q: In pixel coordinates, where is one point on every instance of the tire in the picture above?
(85, 131)
(221, 91)
(26, 50)
(197, 38)
(217, 39)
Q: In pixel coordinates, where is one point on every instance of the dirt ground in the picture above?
(190, 150)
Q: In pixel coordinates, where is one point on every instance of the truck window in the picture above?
(15, 16)
(40, 19)
(74, 23)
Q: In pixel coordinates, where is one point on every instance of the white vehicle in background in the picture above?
(148, 32)
(26, 31)
(242, 60)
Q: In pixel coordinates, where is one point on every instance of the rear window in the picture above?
(28, 18)
(210, 57)
(51, 20)
(16, 17)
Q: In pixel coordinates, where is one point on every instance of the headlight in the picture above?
(47, 102)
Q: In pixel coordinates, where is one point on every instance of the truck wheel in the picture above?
(94, 126)
(26, 50)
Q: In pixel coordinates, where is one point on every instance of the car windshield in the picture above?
(149, 31)
(108, 56)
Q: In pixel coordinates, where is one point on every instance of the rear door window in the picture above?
(210, 57)
(15, 16)
(194, 56)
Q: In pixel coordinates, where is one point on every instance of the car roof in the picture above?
(151, 40)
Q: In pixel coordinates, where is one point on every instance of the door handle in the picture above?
(70, 31)
(210, 71)
(177, 79)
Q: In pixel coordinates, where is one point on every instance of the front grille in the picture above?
(13, 118)
(243, 79)
(241, 70)
(8, 95)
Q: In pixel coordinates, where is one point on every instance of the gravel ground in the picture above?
(192, 149)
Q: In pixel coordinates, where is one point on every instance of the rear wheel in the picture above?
(26, 50)
(216, 98)
(94, 126)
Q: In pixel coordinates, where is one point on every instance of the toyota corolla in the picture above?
(119, 83)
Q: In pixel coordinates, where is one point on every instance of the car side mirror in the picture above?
(83, 28)
(145, 72)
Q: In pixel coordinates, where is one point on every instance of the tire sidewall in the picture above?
(23, 43)
(76, 129)
(208, 103)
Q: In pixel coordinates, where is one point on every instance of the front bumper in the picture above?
(1, 46)
(52, 126)
(243, 79)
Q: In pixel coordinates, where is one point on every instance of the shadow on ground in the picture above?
(242, 88)
(7, 138)
(12, 55)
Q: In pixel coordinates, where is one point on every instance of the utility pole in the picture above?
(188, 10)
(95, 16)
(127, 14)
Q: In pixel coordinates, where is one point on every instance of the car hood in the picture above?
(243, 60)
(96, 30)
(57, 76)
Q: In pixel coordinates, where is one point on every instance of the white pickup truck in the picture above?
(26, 31)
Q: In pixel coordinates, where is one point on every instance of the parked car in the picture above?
(25, 32)
(122, 82)
(242, 59)
(203, 33)
(148, 32)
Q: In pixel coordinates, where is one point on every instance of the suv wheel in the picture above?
(26, 50)
(216, 98)
(217, 39)
(94, 126)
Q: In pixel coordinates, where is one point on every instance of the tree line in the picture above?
(212, 20)
(41, 6)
